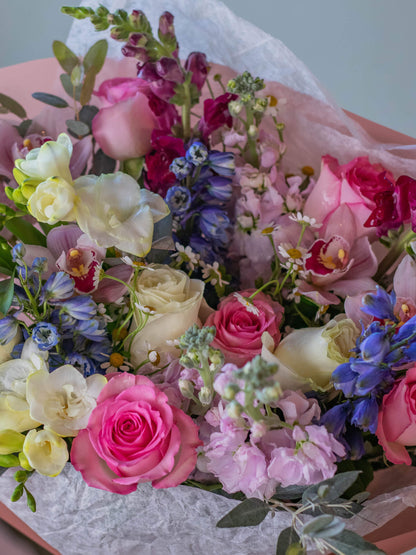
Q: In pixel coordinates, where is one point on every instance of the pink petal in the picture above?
(8, 136)
(81, 153)
(62, 238)
(108, 290)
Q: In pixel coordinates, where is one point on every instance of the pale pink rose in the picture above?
(397, 419)
(354, 184)
(124, 126)
(134, 435)
(240, 326)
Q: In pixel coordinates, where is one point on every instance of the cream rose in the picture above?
(171, 301)
(307, 357)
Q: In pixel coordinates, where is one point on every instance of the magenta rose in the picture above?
(134, 435)
(397, 419)
(355, 184)
(240, 325)
(123, 127)
(166, 148)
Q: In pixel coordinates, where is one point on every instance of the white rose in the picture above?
(173, 300)
(63, 399)
(53, 201)
(114, 211)
(46, 452)
(307, 357)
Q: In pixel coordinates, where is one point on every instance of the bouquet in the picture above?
(187, 299)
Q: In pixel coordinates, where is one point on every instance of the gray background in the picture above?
(362, 51)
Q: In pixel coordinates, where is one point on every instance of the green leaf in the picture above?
(66, 58)
(77, 75)
(329, 490)
(31, 503)
(290, 493)
(250, 512)
(350, 543)
(50, 99)
(12, 106)
(79, 128)
(68, 86)
(18, 492)
(95, 57)
(26, 232)
(9, 461)
(288, 543)
(87, 86)
(6, 294)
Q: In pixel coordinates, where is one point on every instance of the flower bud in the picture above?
(205, 395)
(234, 410)
(186, 387)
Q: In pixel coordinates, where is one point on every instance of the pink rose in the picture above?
(123, 127)
(134, 436)
(397, 419)
(354, 184)
(240, 325)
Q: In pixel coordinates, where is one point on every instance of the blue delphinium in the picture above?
(8, 329)
(179, 199)
(45, 336)
(58, 286)
(384, 348)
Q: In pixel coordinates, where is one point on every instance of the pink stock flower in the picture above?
(133, 436)
(308, 457)
(397, 419)
(298, 408)
(355, 184)
(123, 127)
(240, 325)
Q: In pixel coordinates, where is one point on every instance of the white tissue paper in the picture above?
(76, 519)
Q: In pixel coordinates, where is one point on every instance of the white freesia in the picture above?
(63, 399)
(174, 301)
(50, 160)
(307, 357)
(14, 409)
(53, 201)
(46, 452)
(114, 211)
(5, 350)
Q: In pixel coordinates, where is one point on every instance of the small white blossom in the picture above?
(187, 255)
(213, 272)
(302, 219)
(145, 309)
(102, 312)
(249, 306)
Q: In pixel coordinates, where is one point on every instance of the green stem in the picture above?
(395, 251)
(253, 157)
(186, 113)
(261, 288)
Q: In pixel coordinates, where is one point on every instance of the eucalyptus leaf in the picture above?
(329, 490)
(87, 114)
(102, 163)
(12, 106)
(342, 507)
(250, 512)
(288, 543)
(23, 128)
(95, 57)
(350, 543)
(50, 99)
(76, 76)
(79, 128)
(66, 58)
(289, 493)
(26, 232)
(87, 86)
(324, 526)
(6, 293)
(69, 88)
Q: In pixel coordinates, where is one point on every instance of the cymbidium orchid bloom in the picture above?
(63, 400)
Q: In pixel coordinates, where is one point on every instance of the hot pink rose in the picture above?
(134, 436)
(397, 419)
(240, 325)
(354, 184)
(123, 127)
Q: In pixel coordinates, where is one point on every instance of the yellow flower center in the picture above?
(268, 230)
(272, 101)
(116, 360)
(308, 171)
(294, 253)
(27, 143)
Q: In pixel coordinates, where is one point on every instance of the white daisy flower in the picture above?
(249, 306)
